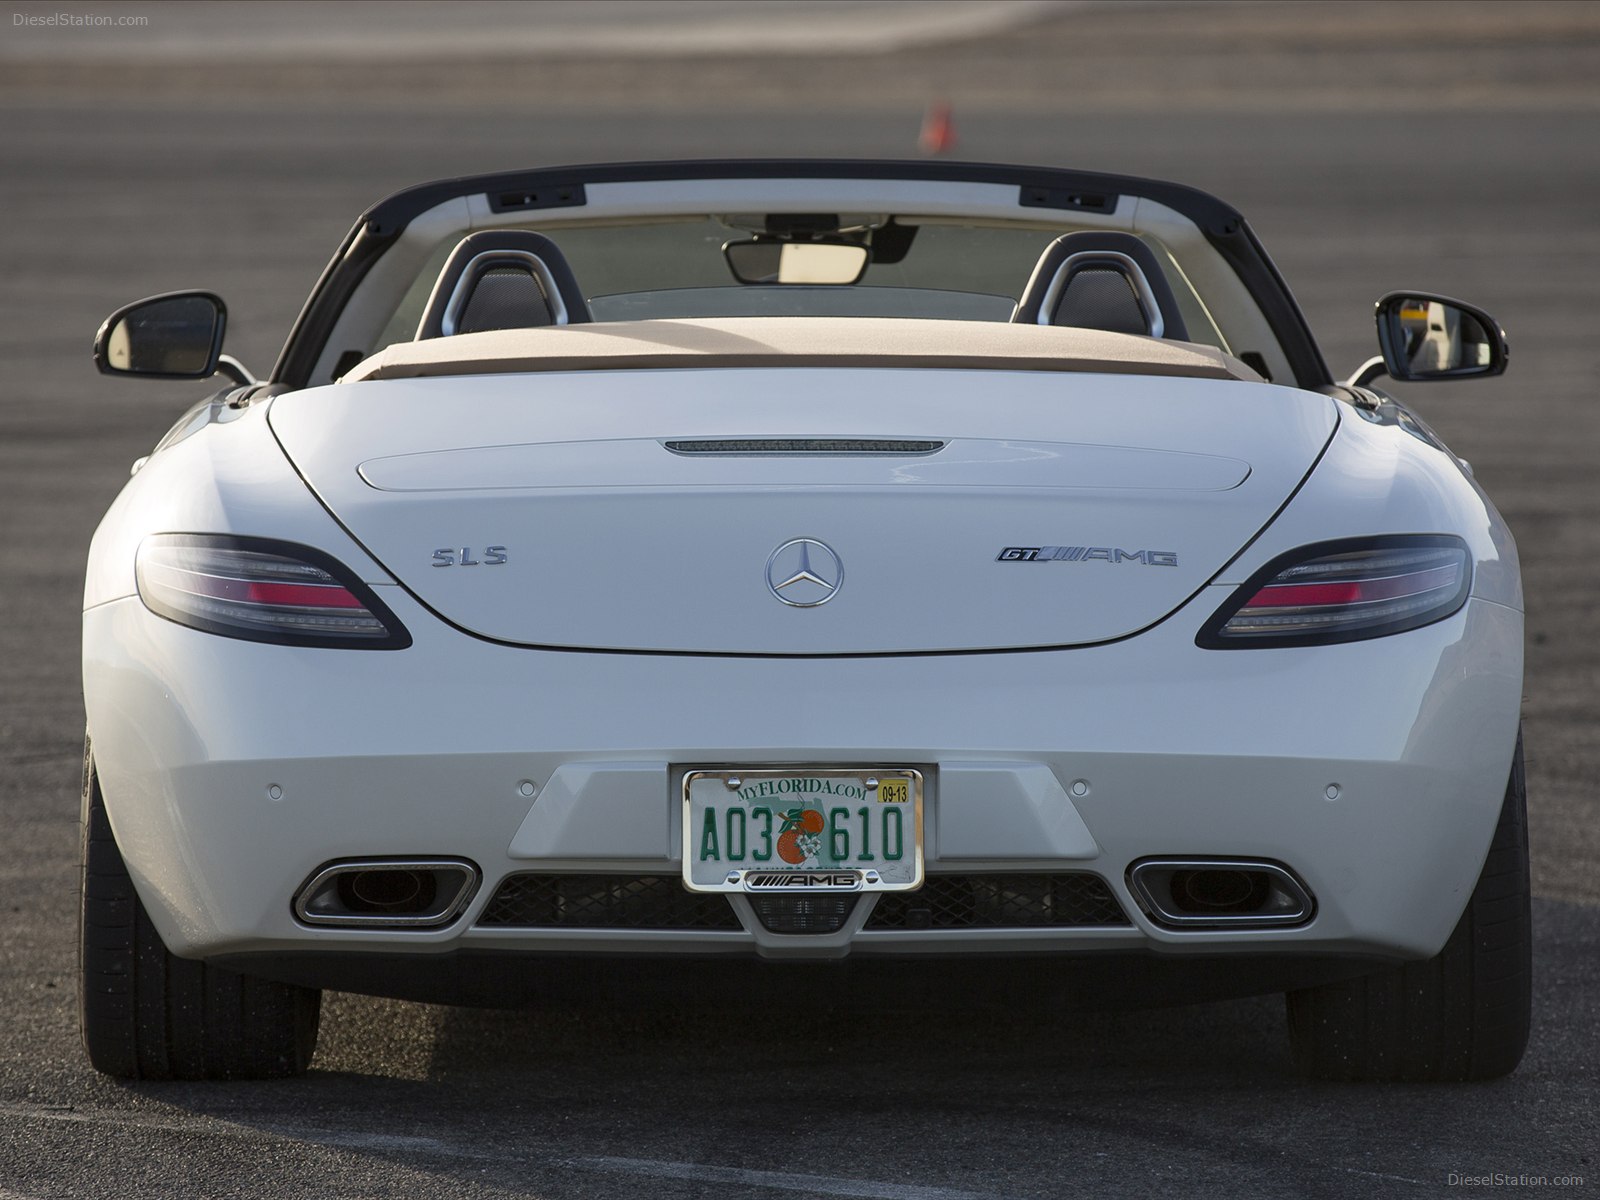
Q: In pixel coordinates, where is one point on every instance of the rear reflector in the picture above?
(1343, 592)
(263, 591)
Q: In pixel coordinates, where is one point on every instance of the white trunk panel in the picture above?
(612, 540)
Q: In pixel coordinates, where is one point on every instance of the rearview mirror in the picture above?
(174, 336)
(767, 260)
(1425, 337)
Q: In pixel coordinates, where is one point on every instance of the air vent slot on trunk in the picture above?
(804, 446)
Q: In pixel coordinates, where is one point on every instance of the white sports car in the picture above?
(693, 564)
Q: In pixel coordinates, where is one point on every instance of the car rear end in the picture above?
(1005, 716)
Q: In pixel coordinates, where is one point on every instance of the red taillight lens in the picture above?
(263, 591)
(1343, 592)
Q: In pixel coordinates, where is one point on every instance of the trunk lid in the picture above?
(665, 510)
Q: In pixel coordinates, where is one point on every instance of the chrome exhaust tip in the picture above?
(388, 893)
(1211, 893)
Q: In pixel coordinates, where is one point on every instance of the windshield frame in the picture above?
(1041, 188)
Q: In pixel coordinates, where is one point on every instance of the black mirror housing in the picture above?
(1426, 337)
(176, 335)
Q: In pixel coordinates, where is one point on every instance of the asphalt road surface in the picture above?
(1441, 146)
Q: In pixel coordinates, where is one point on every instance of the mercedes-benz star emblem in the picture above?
(804, 572)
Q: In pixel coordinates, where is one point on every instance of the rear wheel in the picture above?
(1463, 1014)
(147, 1014)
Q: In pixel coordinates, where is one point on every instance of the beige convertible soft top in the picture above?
(797, 342)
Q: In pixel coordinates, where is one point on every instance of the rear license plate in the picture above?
(800, 829)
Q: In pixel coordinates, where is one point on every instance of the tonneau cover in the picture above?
(798, 342)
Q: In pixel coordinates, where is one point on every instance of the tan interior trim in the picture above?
(797, 342)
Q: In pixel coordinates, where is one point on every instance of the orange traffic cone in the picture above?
(938, 129)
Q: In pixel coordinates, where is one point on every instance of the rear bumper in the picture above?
(1374, 771)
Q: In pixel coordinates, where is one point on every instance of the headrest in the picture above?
(1101, 280)
(502, 279)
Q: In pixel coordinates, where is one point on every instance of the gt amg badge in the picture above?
(1110, 554)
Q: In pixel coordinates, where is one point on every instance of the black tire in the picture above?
(147, 1014)
(1461, 1015)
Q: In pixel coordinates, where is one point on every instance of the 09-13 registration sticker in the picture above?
(802, 829)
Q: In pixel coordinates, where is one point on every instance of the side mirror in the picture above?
(174, 336)
(1425, 337)
(822, 262)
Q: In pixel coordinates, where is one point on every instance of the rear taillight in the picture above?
(263, 591)
(1343, 592)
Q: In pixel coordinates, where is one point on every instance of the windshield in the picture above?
(800, 237)
(676, 269)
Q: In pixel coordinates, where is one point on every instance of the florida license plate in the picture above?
(799, 829)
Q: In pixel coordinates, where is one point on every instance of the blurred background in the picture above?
(152, 146)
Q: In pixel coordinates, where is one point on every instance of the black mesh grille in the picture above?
(605, 902)
(803, 914)
(1101, 298)
(505, 298)
(1000, 902)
